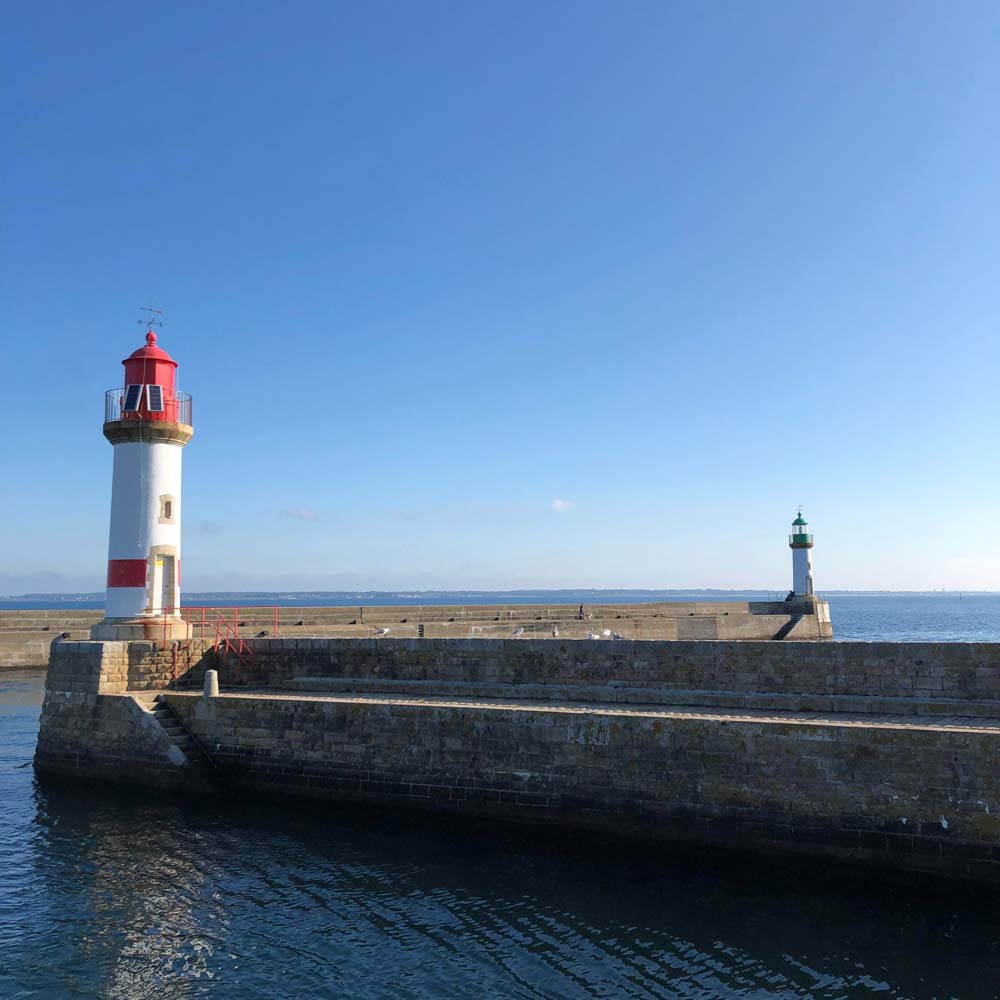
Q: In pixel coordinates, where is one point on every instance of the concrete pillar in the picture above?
(211, 683)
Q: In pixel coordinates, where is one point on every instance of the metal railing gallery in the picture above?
(176, 408)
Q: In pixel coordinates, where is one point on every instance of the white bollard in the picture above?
(211, 683)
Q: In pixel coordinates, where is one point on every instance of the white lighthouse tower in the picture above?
(148, 422)
(801, 543)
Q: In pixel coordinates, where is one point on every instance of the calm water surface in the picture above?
(916, 617)
(109, 894)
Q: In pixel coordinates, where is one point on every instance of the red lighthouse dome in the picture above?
(151, 385)
(151, 365)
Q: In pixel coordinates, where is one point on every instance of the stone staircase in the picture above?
(787, 627)
(197, 757)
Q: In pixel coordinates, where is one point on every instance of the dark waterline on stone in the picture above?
(114, 894)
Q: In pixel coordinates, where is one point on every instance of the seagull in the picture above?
(593, 635)
(381, 631)
(555, 631)
(518, 632)
(615, 635)
(606, 633)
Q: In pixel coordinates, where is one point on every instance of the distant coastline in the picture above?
(334, 598)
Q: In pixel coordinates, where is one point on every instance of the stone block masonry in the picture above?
(855, 676)
(91, 728)
(886, 753)
(25, 635)
(907, 794)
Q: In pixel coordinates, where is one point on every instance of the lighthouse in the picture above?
(801, 543)
(148, 422)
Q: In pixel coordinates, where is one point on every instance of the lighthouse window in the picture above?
(155, 396)
(168, 504)
(133, 393)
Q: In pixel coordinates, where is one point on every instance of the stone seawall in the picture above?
(856, 676)
(25, 635)
(90, 728)
(902, 794)
(887, 753)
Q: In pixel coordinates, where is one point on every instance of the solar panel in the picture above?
(155, 395)
(133, 393)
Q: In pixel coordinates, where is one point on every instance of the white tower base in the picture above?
(143, 595)
(802, 580)
(151, 629)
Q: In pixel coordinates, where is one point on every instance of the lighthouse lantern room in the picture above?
(800, 541)
(148, 422)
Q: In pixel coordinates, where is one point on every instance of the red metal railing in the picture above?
(223, 626)
(227, 642)
(201, 621)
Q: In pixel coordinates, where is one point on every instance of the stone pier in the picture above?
(25, 636)
(887, 754)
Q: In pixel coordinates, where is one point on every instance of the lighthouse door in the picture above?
(163, 585)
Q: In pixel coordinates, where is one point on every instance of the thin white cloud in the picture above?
(209, 527)
(561, 506)
(301, 513)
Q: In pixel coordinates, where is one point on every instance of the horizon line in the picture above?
(398, 591)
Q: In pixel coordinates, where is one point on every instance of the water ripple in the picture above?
(121, 895)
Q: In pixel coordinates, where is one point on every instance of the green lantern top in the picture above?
(800, 537)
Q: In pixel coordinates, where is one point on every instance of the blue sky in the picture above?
(430, 267)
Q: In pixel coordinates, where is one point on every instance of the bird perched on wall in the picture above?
(555, 631)
(382, 631)
(615, 635)
(593, 635)
(606, 633)
(518, 632)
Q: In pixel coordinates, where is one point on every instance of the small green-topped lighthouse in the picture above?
(801, 542)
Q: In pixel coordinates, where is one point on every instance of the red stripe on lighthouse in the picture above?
(126, 572)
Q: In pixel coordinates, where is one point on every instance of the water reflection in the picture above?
(147, 930)
(133, 895)
(161, 899)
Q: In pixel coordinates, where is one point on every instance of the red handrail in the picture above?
(227, 638)
(205, 618)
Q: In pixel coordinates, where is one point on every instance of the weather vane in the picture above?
(152, 320)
